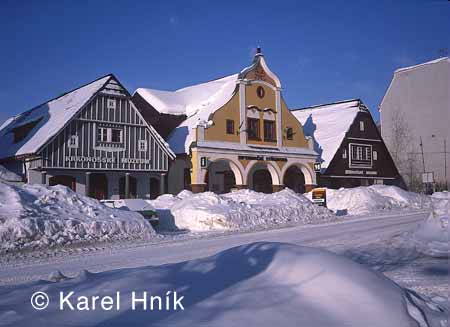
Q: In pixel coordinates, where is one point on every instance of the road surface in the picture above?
(362, 239)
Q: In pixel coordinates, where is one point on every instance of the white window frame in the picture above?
(111, 103)
(361, 125)
(72, 143)
(375, 155)
(359, 155)
(142, 145)
(102, 131)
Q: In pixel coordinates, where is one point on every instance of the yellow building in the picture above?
(233, 132)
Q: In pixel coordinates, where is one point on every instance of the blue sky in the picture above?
(323, 51)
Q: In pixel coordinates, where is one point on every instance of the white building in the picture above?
(417, 107)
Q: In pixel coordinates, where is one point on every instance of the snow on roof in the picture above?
(197, 102)
(49, 118)
(443, 59)
(327, 124)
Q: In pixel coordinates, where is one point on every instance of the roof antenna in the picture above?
(258, 50)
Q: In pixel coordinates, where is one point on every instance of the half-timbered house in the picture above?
(351, 151)
(91, 139)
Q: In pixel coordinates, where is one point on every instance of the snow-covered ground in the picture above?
(238, 210)
(259, 284)
(431, 236)
(374, 198)
(9, 176)
(36, 216)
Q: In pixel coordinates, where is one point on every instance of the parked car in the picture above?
(138, 205)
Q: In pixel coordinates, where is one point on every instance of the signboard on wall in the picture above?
(319, 196)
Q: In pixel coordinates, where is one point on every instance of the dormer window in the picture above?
(22, 131)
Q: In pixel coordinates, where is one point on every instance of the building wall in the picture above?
(418, 101)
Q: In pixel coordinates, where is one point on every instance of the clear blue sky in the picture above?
(323, 51)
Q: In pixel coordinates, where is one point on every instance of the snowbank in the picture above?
(431, 236)
(259, 284)
(241, 209)
(375, 198)
(9, 176)
(40, 216)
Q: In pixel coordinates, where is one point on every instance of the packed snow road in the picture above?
(365, 240)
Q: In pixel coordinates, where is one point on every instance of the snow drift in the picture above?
(40, 216)
(431, 236)
(375, 198)
(259, 284)
(243, 209)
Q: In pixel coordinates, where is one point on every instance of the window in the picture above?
(253, 129)
(289, 133)
(375, 155)
(102, 134)
(269, 131)
(73, 142)
(378, 181)
(111, 104)
(360, 155)
(109, 135)
(116, 135)
(230, 126)
(260, 92)
(361, 126)
(344, 154)
(142, 145)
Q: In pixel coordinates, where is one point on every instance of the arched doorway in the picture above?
(294, 179)
(132, 187)
(260, 178)
(98, 186)
(220, 177)
(65, 180)
(155, 188)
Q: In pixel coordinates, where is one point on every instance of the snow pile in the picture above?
(431, 237)
(40, 216)
(243, 209)
(9, 176)
(375, 198)
(259, 284)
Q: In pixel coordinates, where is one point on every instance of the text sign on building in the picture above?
(106, 160)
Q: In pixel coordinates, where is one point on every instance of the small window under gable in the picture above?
(361, 126)
(73, 142)
(142, 145)
(111, 103)
(375, 155)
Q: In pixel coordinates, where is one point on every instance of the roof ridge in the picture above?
(420, 65)
(61, 95)
(319, 106)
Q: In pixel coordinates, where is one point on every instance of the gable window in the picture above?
(73, 142)
(116, 135)
(109, 135)
(360, 155)
(269, 131)
(142, 145)
(289, 133)
(111, 104)
(253, 129)
(344, 154)
(375, 155)
(230, 126)
(361, 126)
(102, 134)
(260, 92)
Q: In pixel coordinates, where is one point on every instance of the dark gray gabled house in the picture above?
(350, 147)
(91, 139)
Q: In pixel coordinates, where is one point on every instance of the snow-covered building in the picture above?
(351, 151)
(232, 132)
(415, 110)
(91, 139)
